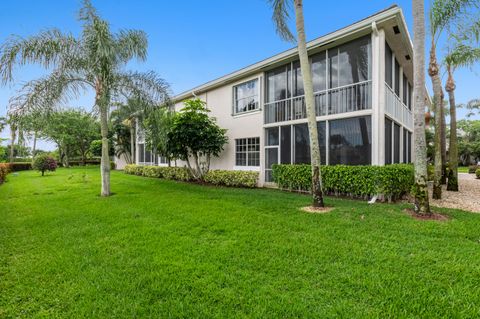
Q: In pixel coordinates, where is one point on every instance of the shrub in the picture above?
(232, 178)
(477, 173)
(112, 165)
(44, 163)
(17, 167)
(391, 181)
(473, 168)
(215, 177)
(4, 170)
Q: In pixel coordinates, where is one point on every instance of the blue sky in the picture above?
(192, 42)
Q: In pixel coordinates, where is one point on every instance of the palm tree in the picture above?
(420, 188)
(281, 13)
(13, 123)
(442, 14)
(95, 61)
(460, 56)
(472, 106)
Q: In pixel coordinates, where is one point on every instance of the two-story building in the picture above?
(363, 83)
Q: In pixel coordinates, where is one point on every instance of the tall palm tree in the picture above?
(95, 61)
(281, 14)
(460, 56)
(442, 14)
(421, 188)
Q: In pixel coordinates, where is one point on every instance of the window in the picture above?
(286, 144)
(246, 96)
(388, 66)
(319, 72)
(398, 78)
(277, 84)
(354, 61)
(409, 151)
(410, 94)
(405, 90)
(388, 141)
(405, 146)
(163, 160)
(271, 151)
(396, 143)
(297, 80)
(301, 144)
(247, 151)
(141, 152)
(350, 141)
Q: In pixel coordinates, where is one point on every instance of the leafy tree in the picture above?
(43, 163)
(469, 141)
(121, 137)
(12, 121)
(196, 135)
(96, 148)
(281, 14)
(33, 124)
(3, 123)
(95, 60)
(158, 123)
(443, 14)
(72, 131)
(420, 189)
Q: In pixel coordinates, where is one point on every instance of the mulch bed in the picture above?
(433, 216)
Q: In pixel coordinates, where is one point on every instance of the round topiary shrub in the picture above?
(44, 163)
(477, 173)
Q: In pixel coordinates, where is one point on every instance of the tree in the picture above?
(469, 141)
(33, 123)
(473, 106)
(281, 9)
(420, 191)
(3, 123)
(461, 55)
(196, 135)
(122, 137)
(158, 123)
(442, 14)
(13, 123)
(95, 60)
(43, 163)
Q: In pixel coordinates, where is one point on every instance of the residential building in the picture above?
(363, 84)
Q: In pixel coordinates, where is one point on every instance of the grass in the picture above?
(167, 249)
(463, 169)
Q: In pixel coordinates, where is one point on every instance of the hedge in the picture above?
(214, 177)
(24, 166)
(477, 173)
(4, 170)
(473, 168)
(391, 181)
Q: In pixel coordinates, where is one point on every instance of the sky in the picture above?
(192, 42)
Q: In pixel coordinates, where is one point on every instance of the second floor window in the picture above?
(246, 97)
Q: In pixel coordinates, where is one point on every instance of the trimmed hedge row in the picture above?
(21, 166)
(214, 177)
(391, 181)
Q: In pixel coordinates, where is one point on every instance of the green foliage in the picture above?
(469, 141)
(214, 177)
(194, 134)
(158, 124)
(43, 163)
(20, 166)
(473, 168)
(391, 181)
(96, 148)
(4, 170)
(232, 178)
(477, 173)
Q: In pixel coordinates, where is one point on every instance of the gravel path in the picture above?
(467, 198)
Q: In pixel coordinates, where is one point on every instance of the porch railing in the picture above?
(343, 99)
(396, 109)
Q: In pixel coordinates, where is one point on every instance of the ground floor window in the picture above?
(146, 156)
(247, 151)
(349, 139)
(407, 146)
(398, 143)
(388, 141)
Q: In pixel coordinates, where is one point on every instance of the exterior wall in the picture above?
(120, 162)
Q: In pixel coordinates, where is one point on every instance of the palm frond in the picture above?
(463, 56)
(444, 12)
(46, 48)
(47, 93)
(131, 44)
(280, 17)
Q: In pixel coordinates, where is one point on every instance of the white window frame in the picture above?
(247, 152)
(234, 97)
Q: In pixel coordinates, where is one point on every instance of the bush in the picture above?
(391, 181)
(4, 170)
(215, 177)
(112, 165)
(477, 173)
(232, 178)
(473, 168)
(17, 167)
(43, 163)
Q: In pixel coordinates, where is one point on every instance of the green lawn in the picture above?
(463, 169)
(167, 249)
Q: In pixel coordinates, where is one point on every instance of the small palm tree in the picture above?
(421, 189)
(443, 13)
(95, 61)
(281, 14)
(461, 56)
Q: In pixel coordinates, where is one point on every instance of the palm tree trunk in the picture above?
(452, 184)
(438, 106)
(105, 161)
(132, 144)
(317, 191)
(443, 143)
(34, 147)
(420, 188)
